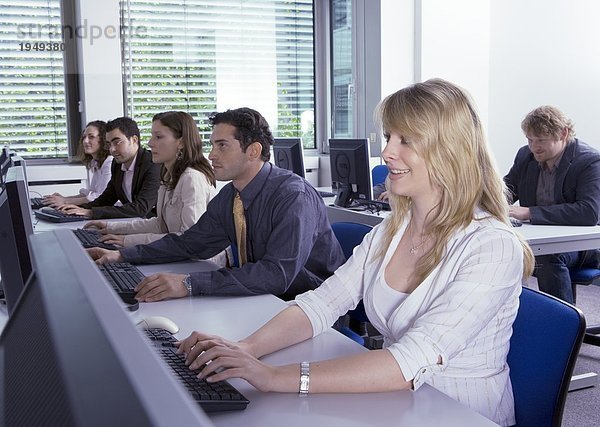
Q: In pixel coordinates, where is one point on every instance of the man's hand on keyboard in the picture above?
(161, 286)
(98, 225)
(232, 360)
(76, 210)
(104, 256)
(113, 239)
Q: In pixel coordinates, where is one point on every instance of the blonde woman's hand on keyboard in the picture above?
(98, 225)
(160, 286)
(104, 256)
(113, 239)
(232, 360)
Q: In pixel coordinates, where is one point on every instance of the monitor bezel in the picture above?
(16, 264)
(346, 195)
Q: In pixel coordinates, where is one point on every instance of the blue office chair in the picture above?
(586, 276)
(379, 174)
(350, 235)
(547, 335)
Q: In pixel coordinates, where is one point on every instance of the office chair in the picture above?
(547, 335)
(379, 174)
(350, 235)
(586, 276)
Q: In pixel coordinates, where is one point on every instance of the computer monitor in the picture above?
(288, 154)
(350, 170)
(71, 356)
(15, 229)
(4, 163)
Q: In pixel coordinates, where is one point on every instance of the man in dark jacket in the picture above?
(134, 181)
(556, 179)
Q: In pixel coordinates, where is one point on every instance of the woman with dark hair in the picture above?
(187, 183)
(93, 153)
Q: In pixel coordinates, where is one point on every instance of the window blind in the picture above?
(32, 95)
(203, 56)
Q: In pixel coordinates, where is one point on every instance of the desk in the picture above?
(237, 317)
(543, 239)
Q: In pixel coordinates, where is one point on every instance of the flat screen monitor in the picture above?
(4, 154)
(4, 163)
(288, 154)
(350, 170)
(71, 356)
(15, 229)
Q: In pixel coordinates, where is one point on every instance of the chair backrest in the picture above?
(547, 335)
(350, 235)
(379, 174)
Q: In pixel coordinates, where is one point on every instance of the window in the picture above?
(33, 118)
(203, 56)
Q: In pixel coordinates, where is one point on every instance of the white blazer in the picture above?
(177, 210)
(462, 312)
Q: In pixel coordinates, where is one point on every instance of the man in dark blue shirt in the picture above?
(290, 247)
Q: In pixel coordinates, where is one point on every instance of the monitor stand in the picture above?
(343, 198)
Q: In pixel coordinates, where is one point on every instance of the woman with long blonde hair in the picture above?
(440, 278)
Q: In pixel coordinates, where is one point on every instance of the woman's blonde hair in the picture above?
(440, 121)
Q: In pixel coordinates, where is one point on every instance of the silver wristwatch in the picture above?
(187, 282)
(304, 378)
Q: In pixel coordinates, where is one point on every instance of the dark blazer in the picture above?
(577, 188)
(144, 190)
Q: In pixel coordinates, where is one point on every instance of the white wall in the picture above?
(455, 46)
(543, 52)
(100, 81)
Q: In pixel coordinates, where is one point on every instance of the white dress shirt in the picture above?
(98, 178)
(128, 179)
(462, 312)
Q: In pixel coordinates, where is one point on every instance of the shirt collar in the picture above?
(131, 166)
(544, 166)
(254, 187)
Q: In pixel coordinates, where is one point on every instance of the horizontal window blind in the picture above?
(203, 56)
(32, 89)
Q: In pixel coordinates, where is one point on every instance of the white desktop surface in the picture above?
(237, 317)
(543, 239)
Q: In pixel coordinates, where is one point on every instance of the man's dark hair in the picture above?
(250, 127)
(126, 125)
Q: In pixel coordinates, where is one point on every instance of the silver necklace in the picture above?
(415, 248)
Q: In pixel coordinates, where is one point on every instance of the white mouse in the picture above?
(158, 322)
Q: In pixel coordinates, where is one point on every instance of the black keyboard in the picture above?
(376, 205)
(212, 397)
(54, 215)
(123, 277)
(326, 193)
(515, 222)
(37, 203)
(90, 239)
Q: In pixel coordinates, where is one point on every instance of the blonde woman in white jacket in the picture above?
(187, 184)
(440, 277)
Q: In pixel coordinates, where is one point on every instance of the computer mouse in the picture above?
(158, 322)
